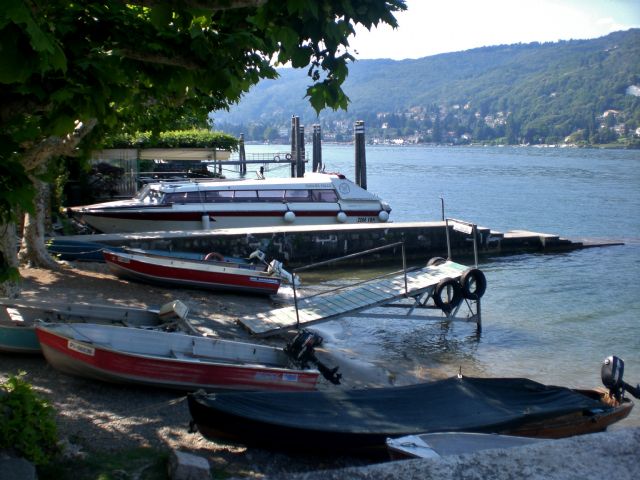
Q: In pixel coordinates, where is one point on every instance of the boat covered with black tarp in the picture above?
(340, 420)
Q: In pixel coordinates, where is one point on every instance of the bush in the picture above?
(27, 422)
(176, 139)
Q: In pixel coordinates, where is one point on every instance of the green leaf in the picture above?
(62, 125)
(300, 57)
(160, 15)
(317, 97)
(15, 65)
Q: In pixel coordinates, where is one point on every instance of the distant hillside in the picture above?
(529, 93)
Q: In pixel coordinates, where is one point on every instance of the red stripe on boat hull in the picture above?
(251, 282)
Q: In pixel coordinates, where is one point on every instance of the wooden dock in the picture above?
(331, 305)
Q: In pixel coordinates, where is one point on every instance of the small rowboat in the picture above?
(169, 359)
(438, 445)
(18, 318)
(211, 271)
(362, 420)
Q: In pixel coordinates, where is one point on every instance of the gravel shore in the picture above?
(95, 416)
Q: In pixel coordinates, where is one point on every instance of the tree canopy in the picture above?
(72, 71)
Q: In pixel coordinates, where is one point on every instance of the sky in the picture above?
(429, 27)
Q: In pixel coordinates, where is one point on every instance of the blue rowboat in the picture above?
(19, 317)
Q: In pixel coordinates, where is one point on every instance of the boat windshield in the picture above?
(148, 195)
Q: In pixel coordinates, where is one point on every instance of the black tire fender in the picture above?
(435, 261)
(470, 278)
(443, 302)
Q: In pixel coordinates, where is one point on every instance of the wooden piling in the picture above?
(242, 156)
(317, 148)
(300, 158)
(294, 142)
(360, 155)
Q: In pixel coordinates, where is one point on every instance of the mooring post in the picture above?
(295, 298)
(300, 152)
(404, 269)
(317, 148)
(242, 156)
(361, 158)
(475, 244)
(446, 231)
(294, 142)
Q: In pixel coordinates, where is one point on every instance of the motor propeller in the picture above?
(612, 372)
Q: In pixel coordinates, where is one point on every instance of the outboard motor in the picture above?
(276, 268)
(302, 351)
(612, 372)
(257, 255)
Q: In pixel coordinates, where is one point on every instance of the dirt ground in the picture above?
(94, 416)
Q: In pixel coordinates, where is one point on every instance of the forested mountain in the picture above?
(586, 90)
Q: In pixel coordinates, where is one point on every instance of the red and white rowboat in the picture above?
(169, 359)
(211, 272)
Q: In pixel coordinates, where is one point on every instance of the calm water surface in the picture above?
(552, 318)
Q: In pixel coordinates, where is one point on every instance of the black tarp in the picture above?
(454, 404)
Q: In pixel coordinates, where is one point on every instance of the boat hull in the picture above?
(18, 339)
(179, 371)
(149, 220)
(195, 274)
(575, 423)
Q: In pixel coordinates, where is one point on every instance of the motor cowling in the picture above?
(257, 255)
(612, 373)
(301, 348)
(302, 351)
(275, 268)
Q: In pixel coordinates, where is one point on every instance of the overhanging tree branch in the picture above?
(50, 147)
(158, 59)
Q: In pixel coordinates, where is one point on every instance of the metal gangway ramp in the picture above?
(420, 284)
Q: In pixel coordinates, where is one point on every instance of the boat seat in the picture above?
(15, 315)
(198, 352)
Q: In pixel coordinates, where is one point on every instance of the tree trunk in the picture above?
(9, 261)
(34, 159)
(33, 250)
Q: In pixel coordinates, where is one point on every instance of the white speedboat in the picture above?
(315, 199)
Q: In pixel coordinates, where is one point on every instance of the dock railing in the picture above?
(345, 257)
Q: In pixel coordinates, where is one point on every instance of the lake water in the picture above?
(552, 318)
